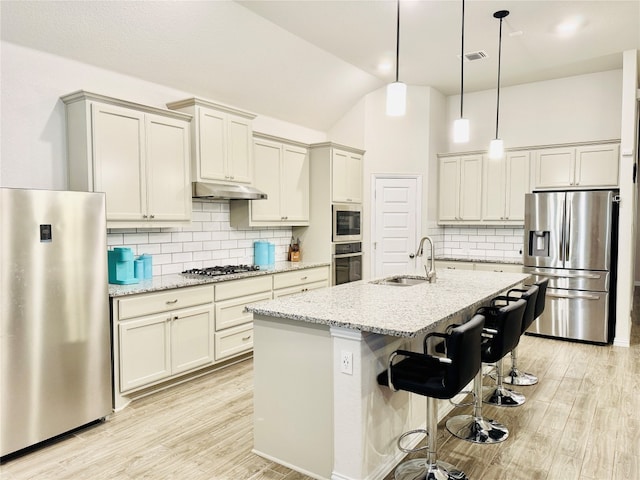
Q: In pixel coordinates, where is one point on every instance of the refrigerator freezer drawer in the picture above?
(575, 315)
(595, 281)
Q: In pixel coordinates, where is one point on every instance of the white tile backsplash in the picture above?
(209, 240)
(481, 243)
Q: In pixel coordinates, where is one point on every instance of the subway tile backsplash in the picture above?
(209, 240)
(482, 242)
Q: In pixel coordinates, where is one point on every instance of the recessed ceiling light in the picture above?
(568, 27)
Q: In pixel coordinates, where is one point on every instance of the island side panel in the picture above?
(368, 418)
(293, 394)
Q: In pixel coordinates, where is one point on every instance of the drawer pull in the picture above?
(171, 302)
(244, 339)
(304, 278)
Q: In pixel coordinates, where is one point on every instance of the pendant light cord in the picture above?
(398, 42)
(499, 62)
(462, 64)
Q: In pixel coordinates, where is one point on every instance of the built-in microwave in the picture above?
(347, 222)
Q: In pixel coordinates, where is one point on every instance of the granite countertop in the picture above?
(178, 280)
(393, 310)
(510, 261)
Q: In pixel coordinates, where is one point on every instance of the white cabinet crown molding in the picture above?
(82, 95)
(337, 146)
(532, 147)
(194, 101)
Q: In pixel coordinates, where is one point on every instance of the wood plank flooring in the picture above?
(581, 422)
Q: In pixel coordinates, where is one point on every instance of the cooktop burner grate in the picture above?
(221, 270)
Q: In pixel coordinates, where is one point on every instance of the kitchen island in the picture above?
(317, 406)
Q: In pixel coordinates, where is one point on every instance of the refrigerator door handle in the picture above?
(580, 296)
(593, 276)
(567, 236)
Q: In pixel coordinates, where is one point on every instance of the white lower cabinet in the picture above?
(163, 334)
(234, 326)
(289, 283)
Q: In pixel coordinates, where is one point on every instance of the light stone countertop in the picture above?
(393, 310)
(509, 261)
(178, 280)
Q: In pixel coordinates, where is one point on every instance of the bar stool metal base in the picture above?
(502, 397)
(477, 429)
(516, 377)
(419, 469)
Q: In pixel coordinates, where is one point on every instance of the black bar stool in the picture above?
(501, 331)
(508, 329)
(515, 376)
(435, 377)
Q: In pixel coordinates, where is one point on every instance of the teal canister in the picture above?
(148, 265)
(272, 254)
(138, 269)
(261, 253)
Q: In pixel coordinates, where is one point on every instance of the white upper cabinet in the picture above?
(505, 183)
(282, 172)
(460, 198)
(582, 166)
(346, 176)
(221, 141)
(137, 155)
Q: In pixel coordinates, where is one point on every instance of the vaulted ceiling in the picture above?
(308, 61)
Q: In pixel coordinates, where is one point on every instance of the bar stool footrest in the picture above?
(412, 432)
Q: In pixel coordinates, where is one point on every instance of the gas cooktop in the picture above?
(221, 270)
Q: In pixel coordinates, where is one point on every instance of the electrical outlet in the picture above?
(346, 362)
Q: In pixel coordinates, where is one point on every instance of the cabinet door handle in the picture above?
(303, 278)
(152, 216)
(144, 216)
(171, 302)
(176, 317)
(244, 339)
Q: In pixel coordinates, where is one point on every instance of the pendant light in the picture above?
(461, 125)
(496, 147)
(397, 91)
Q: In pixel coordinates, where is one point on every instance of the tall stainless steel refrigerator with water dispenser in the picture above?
(55, 360)
(571, 239)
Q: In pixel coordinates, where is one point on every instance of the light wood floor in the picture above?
(582, 421)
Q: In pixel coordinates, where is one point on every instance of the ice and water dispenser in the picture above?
(539, 243)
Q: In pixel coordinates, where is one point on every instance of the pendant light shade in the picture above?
(396, 99)
(461, 130)
(397, 91)
(496, 148)
(461, 125)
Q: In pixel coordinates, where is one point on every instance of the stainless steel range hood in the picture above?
(221, 191)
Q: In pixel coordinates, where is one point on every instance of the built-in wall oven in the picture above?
(346, 262)
(347, 222)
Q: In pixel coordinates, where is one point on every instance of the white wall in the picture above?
(33, 150)
(565, 110)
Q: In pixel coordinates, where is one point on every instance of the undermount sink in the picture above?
(401, 281)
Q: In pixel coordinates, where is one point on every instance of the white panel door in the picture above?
(168, 185)
(267, 169)
(212, 146)
(396, 219)
(295, 183)
(119, 160)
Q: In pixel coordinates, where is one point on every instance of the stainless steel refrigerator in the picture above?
(55, 360)
(571, 239)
